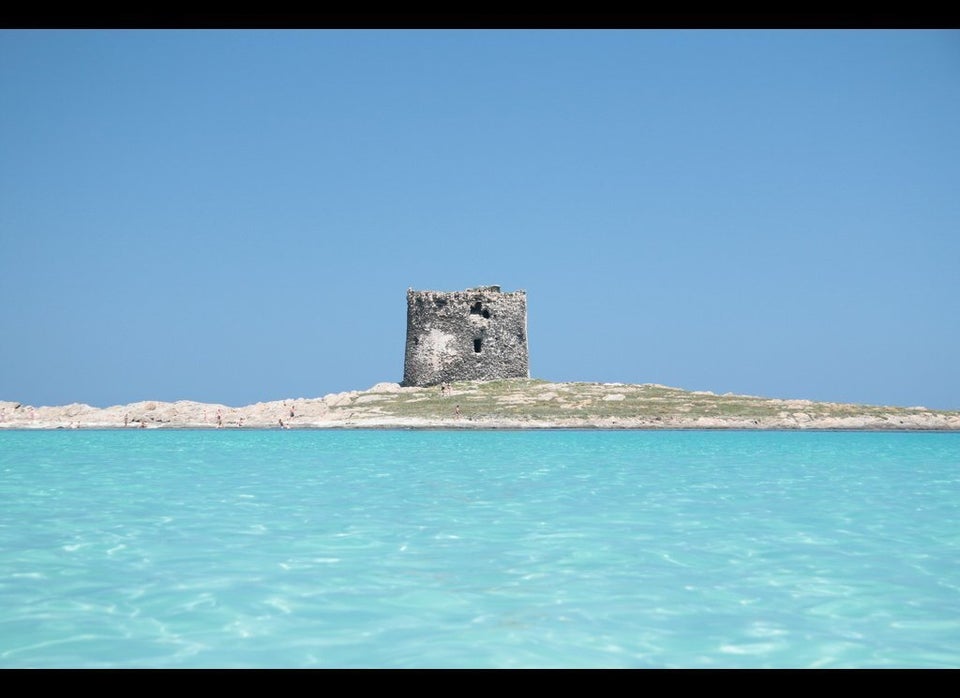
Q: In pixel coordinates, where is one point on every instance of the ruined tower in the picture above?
(477, 334)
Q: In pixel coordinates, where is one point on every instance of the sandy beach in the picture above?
(509, 404)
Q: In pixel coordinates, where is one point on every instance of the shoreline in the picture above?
(531, 428)
(514, 405)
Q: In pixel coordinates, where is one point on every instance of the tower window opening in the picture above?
(485, 313)
(475, 308)
(477, 344)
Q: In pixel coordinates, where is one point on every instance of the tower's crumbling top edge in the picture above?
(475, 289)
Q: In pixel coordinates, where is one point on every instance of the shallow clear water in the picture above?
(479, 549)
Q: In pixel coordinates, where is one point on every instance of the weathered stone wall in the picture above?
(477, 334)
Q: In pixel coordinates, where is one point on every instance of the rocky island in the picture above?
(518, 403)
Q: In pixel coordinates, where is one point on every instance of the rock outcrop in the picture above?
(503, 404)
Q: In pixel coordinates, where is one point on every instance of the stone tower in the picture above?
(477, 334)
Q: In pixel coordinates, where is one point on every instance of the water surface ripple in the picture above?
(479, 549)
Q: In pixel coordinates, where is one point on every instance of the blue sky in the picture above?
(235, 216)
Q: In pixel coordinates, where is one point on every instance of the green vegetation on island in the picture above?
(531, 400)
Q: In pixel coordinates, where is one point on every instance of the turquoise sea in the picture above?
(479, 549)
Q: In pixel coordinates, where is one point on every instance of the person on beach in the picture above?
(219, 419)
(126, 420)
(282, 425)
(291, 411)
(456, 411)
